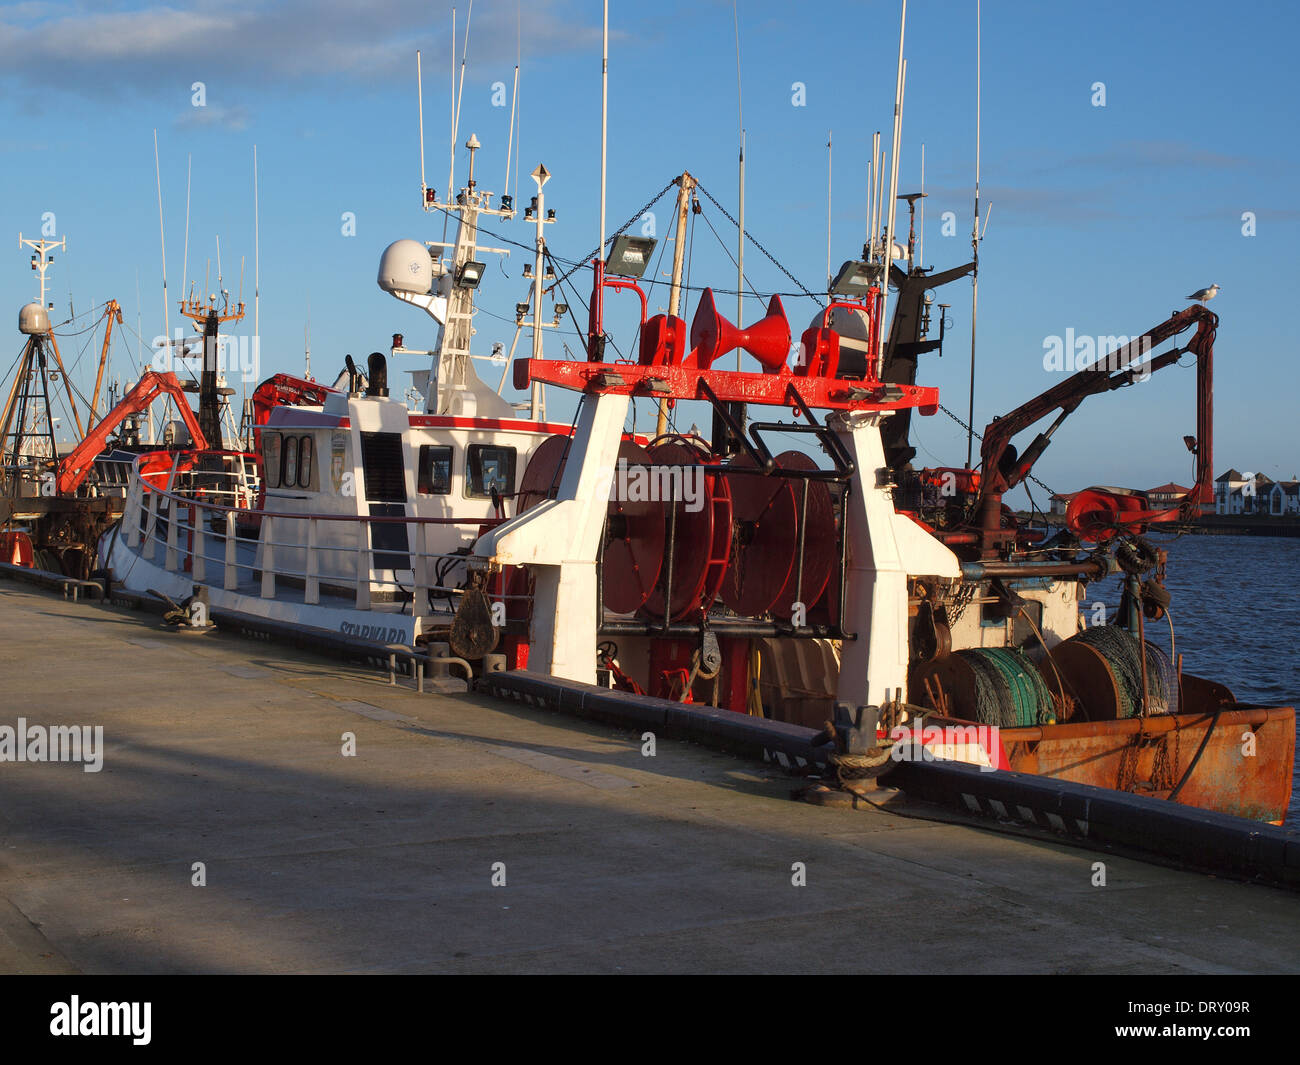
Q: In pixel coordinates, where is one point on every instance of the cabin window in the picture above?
(290, 476)
(305, 462)
(489, 466)
(435, 470)
(271, 458)
(383, 467)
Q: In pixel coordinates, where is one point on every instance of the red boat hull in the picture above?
(1245, 767)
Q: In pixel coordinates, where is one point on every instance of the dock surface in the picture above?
(229, 752)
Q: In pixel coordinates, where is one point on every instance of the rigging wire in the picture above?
(724, 247)
(750, 237)
(98, 310)
(575, 265)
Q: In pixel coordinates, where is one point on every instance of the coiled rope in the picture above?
(1119, 648)
(1009, 689)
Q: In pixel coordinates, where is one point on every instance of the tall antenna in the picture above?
(604, 122)
(162, 239)
(871, 195)
(185, 259)
(893, 176)
(307, 340)
(464, 56)
(880, 193)
(514, 97)
(419, 96)
(257, 256)
(975, 246)
(873, 215)
(456, 93)
(519, 125)
(740, 119)
(451, 165)
(828, 210)
(920, 239)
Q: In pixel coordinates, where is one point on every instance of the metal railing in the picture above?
(175, 515)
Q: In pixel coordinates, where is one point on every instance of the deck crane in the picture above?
(76, 465)
(1004, 468)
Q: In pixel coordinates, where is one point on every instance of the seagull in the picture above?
(1205, 294)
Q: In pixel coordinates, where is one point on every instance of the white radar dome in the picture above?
(33, 318)
(850, 324)
(406, 267)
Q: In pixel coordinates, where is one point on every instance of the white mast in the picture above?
(460, 89)
(419, 96)
(604, 124)
(162, 239)
(920, 235)
(975, 247)
(873, 211)
(740, 248)
(185, 259)
(880, 195)
(514, 98)
(893, 179)
(451, 165)
(257, 260)
(540, 175)
(828, 210)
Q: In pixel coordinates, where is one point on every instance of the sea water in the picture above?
(1236, 615)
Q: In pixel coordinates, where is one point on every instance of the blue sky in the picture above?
(1102, 218)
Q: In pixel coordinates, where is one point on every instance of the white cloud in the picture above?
(214, 116)
(252, 45)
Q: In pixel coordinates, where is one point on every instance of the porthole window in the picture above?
(290, 476)
(305, 462)
(271, 459)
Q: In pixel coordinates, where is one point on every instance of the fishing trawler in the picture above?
(48, 520)
(828, 584)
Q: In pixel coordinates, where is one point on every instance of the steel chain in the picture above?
(760, 247)
(980, 436)
(586, 259)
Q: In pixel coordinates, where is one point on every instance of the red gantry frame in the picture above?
(667, 370)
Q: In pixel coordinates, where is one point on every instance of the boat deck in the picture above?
(227, 752)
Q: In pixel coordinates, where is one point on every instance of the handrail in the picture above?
(172, 530)
(383, 519)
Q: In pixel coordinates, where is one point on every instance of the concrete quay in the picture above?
(230, 752)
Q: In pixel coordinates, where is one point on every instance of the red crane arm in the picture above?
(1004, 469)
(75, 466)
(283, 390)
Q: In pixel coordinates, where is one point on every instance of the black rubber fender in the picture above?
(1136, 556)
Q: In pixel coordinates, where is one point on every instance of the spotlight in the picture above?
(469, 274)
(629, 256)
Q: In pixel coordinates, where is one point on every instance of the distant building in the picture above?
(1166, 496)
(1060, 502)
(1243, 494)
(1236, 494)
(1284, 498)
